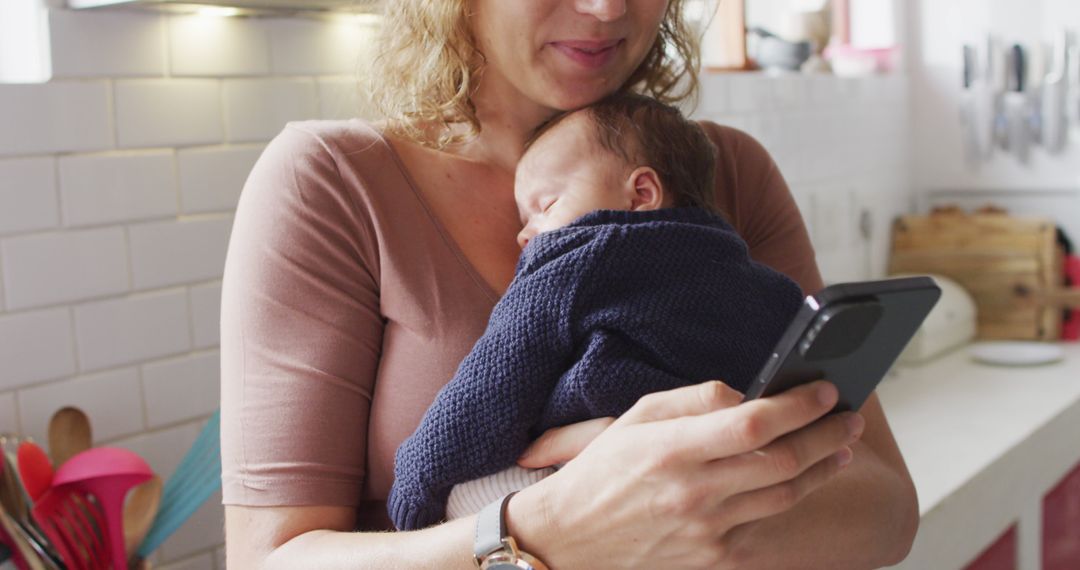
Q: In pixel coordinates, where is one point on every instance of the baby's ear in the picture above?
(648, 191)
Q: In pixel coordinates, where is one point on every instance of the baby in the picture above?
(629, 282)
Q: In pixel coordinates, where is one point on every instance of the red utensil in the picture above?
(35, 469)
(106, 474)
(74, 525)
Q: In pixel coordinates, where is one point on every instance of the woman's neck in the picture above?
(507, 118)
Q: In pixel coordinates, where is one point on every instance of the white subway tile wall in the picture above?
(181, 389)
(111, 399)
(213, 47)
(118, 180)
(255, 109)
(98, 189)
(36, 346)
(50, 268)
(841, 144)
(132, 329)
(8, 416)
(100, 44)
(28, 199)
(119, 177)
(56, 117)
(205, 315)
(168, 112)
(211, 177)
(179, 252)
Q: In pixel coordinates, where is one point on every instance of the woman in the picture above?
(365, 261)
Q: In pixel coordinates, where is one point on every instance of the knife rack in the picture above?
(1016, 98)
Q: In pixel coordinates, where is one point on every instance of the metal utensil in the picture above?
(967, 106)
(16, 519)
(1054, 127)
(1017, 109)
(985, 97)
(1073, 112)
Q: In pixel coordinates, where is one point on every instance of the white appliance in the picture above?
(255, 5)
(950, 324)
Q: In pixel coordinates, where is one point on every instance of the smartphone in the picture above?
(849, 334)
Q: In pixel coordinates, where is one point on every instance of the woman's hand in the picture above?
(664, 484)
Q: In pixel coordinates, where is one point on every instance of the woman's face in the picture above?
(564, 54)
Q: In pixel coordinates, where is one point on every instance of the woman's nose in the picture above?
(603, 10)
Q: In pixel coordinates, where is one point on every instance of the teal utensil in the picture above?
(196, 479)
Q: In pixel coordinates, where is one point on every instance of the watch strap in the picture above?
(491, 528)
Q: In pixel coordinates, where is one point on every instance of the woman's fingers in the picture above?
(774, 499)
(561, 444)
(750, 426)
(789, 456)
(692, 400)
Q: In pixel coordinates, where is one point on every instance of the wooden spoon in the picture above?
(69, 434)
(139, 512)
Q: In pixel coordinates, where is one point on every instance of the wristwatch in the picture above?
(494, 549)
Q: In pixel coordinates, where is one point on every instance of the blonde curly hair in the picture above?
(426, 66)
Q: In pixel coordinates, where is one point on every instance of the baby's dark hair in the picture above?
(646, 132)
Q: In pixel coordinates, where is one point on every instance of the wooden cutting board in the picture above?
(1012, 266)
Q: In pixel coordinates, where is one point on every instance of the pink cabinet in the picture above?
(1001, 555)
(1061, 524)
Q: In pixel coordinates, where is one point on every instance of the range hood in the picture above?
(353, 6)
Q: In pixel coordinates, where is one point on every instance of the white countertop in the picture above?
(983, 443)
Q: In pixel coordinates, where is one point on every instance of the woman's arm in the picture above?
(295, 538)
(660, 487)
(866, 517)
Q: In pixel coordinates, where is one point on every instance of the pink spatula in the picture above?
(107, 474)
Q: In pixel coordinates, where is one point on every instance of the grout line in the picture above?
(113, 115)
(80, 374)
(166, 51)
(19, 428)
(176, 179)
(190, 319)
(72, 329)
(130, 258)
(142, 397)
(3, 291)
(203, 281)
(197, 422)
(60, 221)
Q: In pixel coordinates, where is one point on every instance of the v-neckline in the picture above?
(451, 243)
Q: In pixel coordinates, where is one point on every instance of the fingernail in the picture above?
(844, 456)
(825, 394)
(855, 424)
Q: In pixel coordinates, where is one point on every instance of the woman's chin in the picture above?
(575, 97)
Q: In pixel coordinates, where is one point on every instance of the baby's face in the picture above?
(565, 175)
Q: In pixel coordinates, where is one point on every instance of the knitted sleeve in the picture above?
(479, 422)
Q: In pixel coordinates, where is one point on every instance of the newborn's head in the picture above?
(626, 152)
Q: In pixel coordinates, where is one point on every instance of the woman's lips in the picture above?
(589, 54)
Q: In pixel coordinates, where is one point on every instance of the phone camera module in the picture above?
(840, 330)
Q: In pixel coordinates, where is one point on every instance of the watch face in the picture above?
(502, 562)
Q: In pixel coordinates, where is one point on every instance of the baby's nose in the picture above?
(523, 237)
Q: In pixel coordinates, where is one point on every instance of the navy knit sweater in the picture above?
(614, 306)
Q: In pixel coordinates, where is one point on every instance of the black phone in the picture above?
(849, 334)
